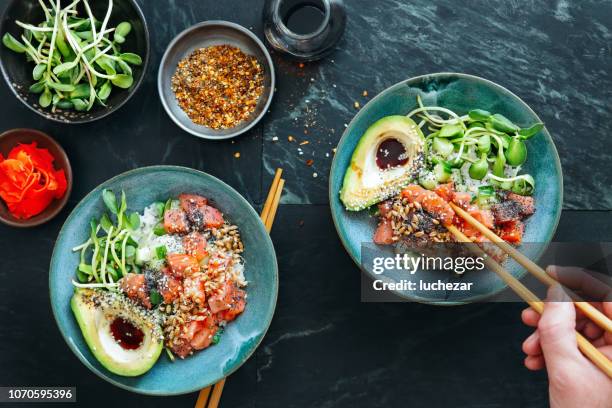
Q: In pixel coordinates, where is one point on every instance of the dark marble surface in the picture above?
(325, 348)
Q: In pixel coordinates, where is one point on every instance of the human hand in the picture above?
(574, 382)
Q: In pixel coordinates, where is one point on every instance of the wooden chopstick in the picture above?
(274, 207)
(267, 216)
(271, 195)
(532, 300)
(588, 309)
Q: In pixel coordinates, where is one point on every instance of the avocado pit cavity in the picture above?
(126, 334)
(391, 153)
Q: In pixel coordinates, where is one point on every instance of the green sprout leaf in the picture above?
(12, 44)
(529, 132)
(123, 81)
(131, 58)
(46, 98)
(110, 200)
(38, 71)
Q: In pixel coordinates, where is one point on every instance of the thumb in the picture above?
(557, 330)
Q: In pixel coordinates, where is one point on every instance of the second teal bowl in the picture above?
(460, 93)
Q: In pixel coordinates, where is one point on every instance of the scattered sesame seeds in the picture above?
(290, 138)
(237, 155)
(275, 139)
(356, 105)
(315, 175)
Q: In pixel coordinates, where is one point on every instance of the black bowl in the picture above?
(17, 72)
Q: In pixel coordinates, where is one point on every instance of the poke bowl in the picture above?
(163, 280)
(431, 142)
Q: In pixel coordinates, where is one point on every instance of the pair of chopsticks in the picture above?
(528, 296)
(267, 216)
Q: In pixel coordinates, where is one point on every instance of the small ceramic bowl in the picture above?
(17, 72)
(204, 35)
(144, 186)
(460, 93)
(10, 139)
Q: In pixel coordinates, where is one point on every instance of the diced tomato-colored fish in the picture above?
(195, 290)
(223, 299)
(237, 305)
(175, 222)
(446, 191)
(431, 202)
(135, 287)
(463, 200)
(187, 201)
(169, 287)
(527, 203)
(204, 333)
(182, 347)
(218, 261)
(182, 265)
(384, 233)
(212, 217)
(512, 232)
(195, 245)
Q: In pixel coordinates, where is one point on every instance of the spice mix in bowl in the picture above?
(216, 80)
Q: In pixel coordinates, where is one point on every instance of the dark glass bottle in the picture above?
(306, 30)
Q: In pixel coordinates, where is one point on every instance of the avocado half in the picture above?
(365, 182)
(96, 310)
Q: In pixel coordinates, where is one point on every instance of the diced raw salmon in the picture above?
(218, 261)
(514, 207)
(168, 286)
(484, 216)
(199, 213)
(236, 307)
(446, 191)
(195, 245)
(182, 265)
(384, 233)
(512, 232)
(175, 222)
(205, 331)
(194, 289)
(182, 347)
(223, 299)
(212, 217)
(526, 203)
(188, 201)
(134, 286)
(463, 200)
(431, 202)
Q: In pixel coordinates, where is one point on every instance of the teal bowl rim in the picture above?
(333, 195)
(268, 322)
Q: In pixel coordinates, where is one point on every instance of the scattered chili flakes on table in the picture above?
(218, 86)
(28, 180)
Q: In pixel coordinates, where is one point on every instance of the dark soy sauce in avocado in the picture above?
(126, 334)
(391, 153)
(303, 17)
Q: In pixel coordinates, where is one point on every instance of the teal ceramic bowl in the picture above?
(241, 338)
(460, 93)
